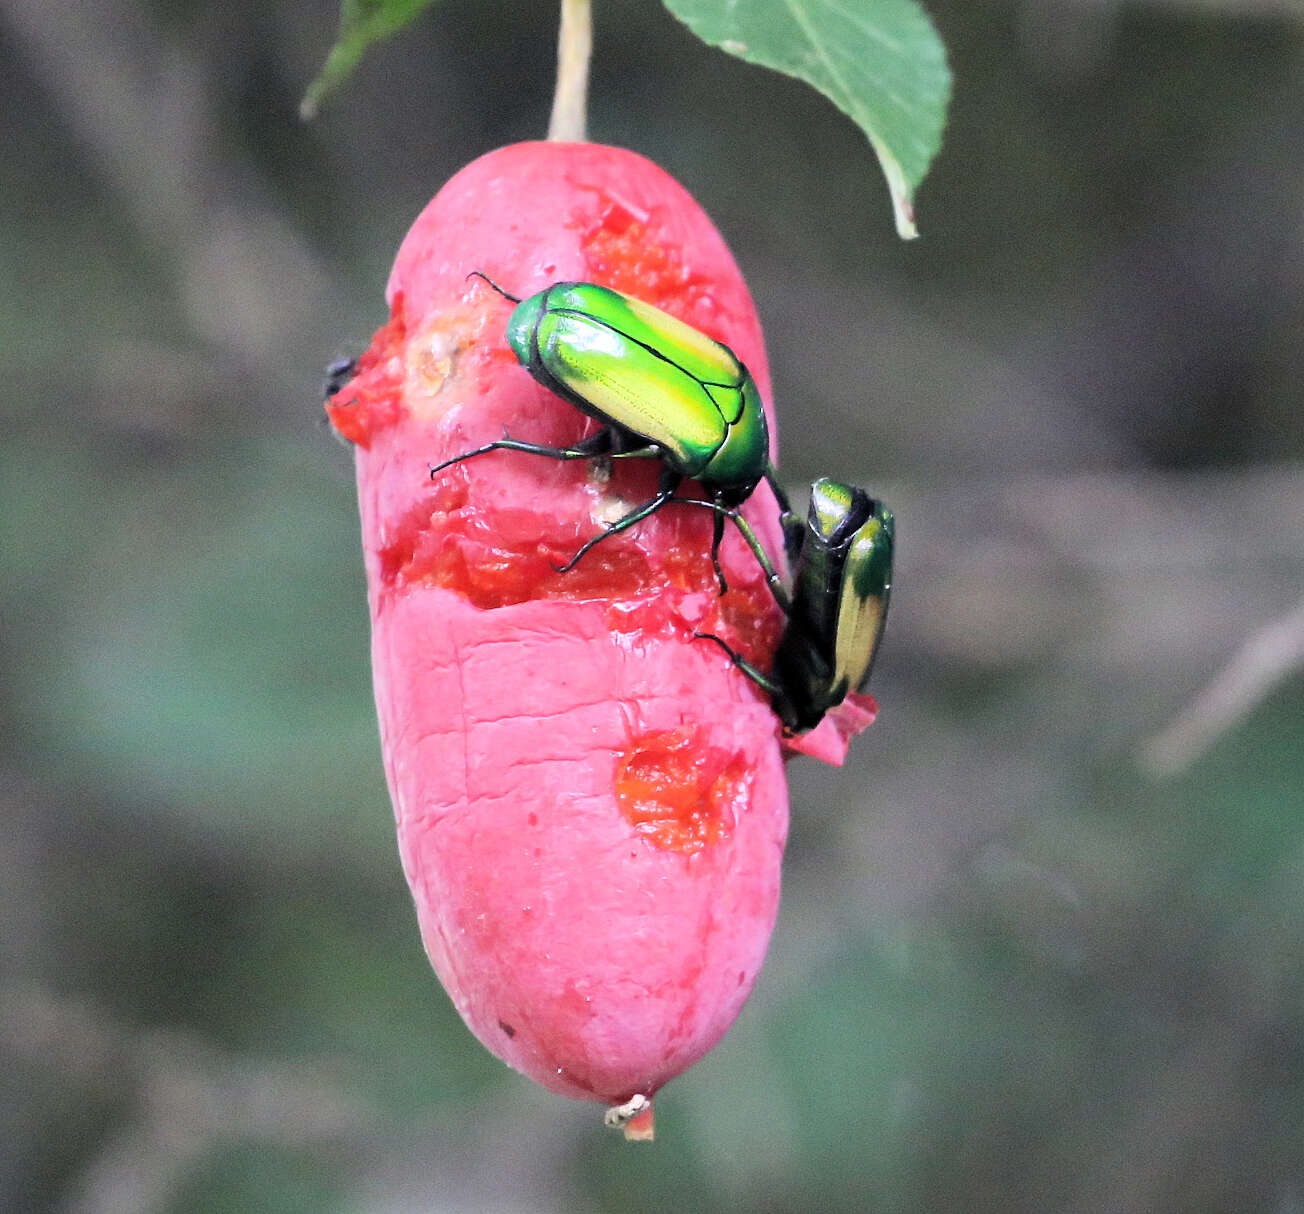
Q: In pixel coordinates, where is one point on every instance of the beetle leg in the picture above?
(772, 578)
(717, 537)
(665, 491)
(596, 446)
(788, 520)
(585, 449)
(763, 559)
(761, 680)
(651, 451)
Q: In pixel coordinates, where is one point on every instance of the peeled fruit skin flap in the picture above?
(591, 803)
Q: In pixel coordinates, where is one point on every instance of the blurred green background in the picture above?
(1029, 958)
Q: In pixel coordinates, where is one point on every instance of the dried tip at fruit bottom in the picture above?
(634, 1118)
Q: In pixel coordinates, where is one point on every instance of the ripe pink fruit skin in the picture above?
(596, 952)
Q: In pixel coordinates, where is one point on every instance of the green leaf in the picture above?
(362, 22)
(879, 61)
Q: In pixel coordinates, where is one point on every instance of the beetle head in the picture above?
(521, 326)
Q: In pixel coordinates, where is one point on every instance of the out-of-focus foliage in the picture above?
(882, 64)
(1012, 971)
(362, 24)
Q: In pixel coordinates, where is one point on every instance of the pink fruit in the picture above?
(591, 803)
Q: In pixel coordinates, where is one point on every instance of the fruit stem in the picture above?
(574, 48)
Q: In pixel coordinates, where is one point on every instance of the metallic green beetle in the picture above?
(839, 606)
(661, 389)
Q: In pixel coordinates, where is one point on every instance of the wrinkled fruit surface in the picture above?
(591, 803)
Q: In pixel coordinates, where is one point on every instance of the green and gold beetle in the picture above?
(661, 389)
(841, 588)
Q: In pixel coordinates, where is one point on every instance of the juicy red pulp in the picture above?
(679, 792)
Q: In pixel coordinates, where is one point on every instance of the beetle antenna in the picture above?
(496, 287)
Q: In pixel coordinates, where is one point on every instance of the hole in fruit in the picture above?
(492, 565)
(629, 250)
(370, 400)
(677, 790)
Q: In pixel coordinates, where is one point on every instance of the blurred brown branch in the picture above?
(144, 107)
(1267, 657)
